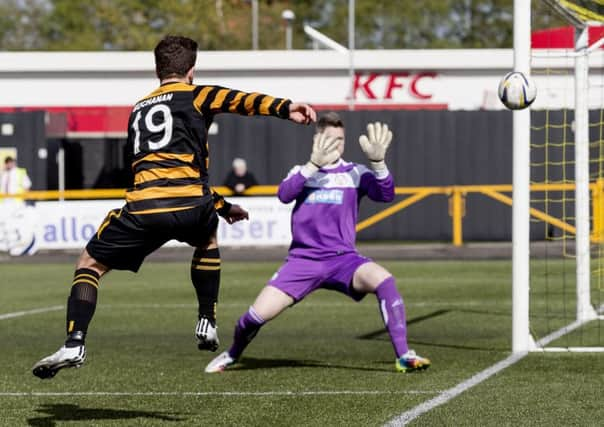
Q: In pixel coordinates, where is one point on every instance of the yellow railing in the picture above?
(456, 194)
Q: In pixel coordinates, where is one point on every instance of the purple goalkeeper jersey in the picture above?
(327, 202)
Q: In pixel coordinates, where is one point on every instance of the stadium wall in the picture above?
(431, 149)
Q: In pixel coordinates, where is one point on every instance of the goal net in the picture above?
(566, 203)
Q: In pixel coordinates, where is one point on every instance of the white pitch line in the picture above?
(215, 393)
(445, 396)
(28, 312)
(309, 304)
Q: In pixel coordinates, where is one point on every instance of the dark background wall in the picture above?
(29, 138)
(430, 148)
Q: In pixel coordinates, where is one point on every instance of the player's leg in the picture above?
(81, 306)
(197, 227)
(205, 276)
(82, 300)
(268, 305)
(295, 279)
(122, 242)
(373, 278)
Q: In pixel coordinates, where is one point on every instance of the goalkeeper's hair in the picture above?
(330, 119)
(174, 56)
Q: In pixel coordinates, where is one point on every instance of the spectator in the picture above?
(239, 179)
(14, 180)
(17, 220)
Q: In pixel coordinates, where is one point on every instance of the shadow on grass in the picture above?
(459, 346)
(53, 413)
(382, 331)
(254, 363)
(382, 334)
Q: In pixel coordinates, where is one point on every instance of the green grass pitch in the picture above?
(325, 362)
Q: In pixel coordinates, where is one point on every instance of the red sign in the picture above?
(87, 120)
(563, 37)
(397, 82)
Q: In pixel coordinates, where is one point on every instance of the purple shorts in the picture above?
(299, 277)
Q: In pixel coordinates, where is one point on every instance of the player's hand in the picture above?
(302, 113)
(324, 150)
(376, 143)
(235, 214)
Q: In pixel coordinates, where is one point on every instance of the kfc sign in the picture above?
(394, 86)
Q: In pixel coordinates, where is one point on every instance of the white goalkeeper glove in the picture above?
(324, 152)
(375, 145)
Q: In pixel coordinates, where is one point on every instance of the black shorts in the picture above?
(124, 239)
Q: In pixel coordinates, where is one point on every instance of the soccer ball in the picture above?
(516, 91)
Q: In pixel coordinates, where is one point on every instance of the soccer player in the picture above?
(322, 255)
(170, 197)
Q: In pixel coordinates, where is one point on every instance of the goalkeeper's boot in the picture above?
(410, 362)
(220, 363)
(206, 332)
(66, 357)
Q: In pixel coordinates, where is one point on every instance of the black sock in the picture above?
(81, 305)
(205, 275)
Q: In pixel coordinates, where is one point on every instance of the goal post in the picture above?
(575, 12)
(521, 338)
(584, 309)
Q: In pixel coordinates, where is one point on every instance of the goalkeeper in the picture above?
(322, 254)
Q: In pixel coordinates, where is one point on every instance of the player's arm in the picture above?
(230, 212)
(216, 99)
(378, 184)
(291, 187)
(324, 152)
(376, 188)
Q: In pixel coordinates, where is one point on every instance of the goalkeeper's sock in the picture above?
(246, 329)
(205, 275)
(392, 308)
(81, 305)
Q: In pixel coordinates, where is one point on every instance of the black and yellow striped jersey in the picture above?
(168, 137)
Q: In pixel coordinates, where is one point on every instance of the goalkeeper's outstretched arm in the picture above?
(291, 187)
(377, 189)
